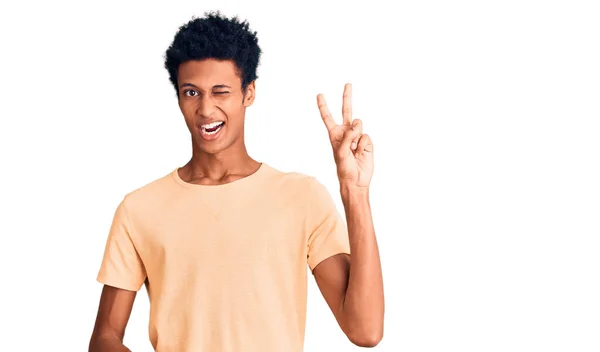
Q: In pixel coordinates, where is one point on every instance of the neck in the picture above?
(231, 163)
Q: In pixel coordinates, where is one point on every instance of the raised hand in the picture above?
(352, 150)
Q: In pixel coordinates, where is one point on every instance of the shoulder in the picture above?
(293, 180)
(301, 185)
(311, 196)
(150, 193)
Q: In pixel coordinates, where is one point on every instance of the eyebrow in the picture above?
(214, 87)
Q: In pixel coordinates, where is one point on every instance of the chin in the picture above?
(209, 149)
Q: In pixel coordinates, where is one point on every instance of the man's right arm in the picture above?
(113, 314)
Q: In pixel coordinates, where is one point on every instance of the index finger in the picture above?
(325, 114)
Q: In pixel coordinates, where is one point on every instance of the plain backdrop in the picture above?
(485, 118)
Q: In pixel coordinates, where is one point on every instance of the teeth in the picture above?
(211, 125)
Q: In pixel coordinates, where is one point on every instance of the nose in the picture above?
(206, 106)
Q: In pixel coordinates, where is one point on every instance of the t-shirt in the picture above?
(225, 266)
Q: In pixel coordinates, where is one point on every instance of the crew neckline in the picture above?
(241, 181)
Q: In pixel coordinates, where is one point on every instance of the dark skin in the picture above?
(113, 314)
(210, 90)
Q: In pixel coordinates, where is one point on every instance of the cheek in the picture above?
(231, 109)
(186, 107)
(188, 112)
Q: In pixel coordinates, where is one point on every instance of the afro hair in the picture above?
(215, 36)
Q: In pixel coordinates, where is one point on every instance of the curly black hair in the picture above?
(215, 36)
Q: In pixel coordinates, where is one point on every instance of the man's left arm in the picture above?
(352, 284)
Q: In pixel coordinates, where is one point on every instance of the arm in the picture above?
(113, 314)
(353, 285)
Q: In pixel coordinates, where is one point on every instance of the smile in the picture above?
(209, 131)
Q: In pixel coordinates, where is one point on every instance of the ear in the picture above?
(250, 94)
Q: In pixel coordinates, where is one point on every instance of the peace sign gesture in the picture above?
(352, 150)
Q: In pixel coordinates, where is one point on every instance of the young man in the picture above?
(223, 244)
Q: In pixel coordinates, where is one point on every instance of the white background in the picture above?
(485, 120)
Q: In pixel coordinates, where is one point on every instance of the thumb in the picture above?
(350, 135)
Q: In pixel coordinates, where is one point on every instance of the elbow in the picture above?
(366, 338)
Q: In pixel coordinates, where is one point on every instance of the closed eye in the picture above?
(193, 93)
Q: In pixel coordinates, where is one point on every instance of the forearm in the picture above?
(108, 342)
(363, 307)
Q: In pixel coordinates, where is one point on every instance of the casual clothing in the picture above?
(226, 265)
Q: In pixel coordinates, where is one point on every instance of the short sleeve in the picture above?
(328, 234)
(121, 264)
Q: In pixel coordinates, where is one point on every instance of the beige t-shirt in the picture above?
(226, 265)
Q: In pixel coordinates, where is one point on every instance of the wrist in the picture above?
(350, 190)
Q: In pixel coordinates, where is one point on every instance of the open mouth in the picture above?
(211, 129)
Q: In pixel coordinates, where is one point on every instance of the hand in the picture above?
(352, 150)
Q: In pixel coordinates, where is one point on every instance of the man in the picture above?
(223, 244)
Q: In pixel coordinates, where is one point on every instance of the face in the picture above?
(213, 104)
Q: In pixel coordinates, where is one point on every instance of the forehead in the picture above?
(208, 72)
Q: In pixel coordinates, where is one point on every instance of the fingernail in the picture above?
(353, 145)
